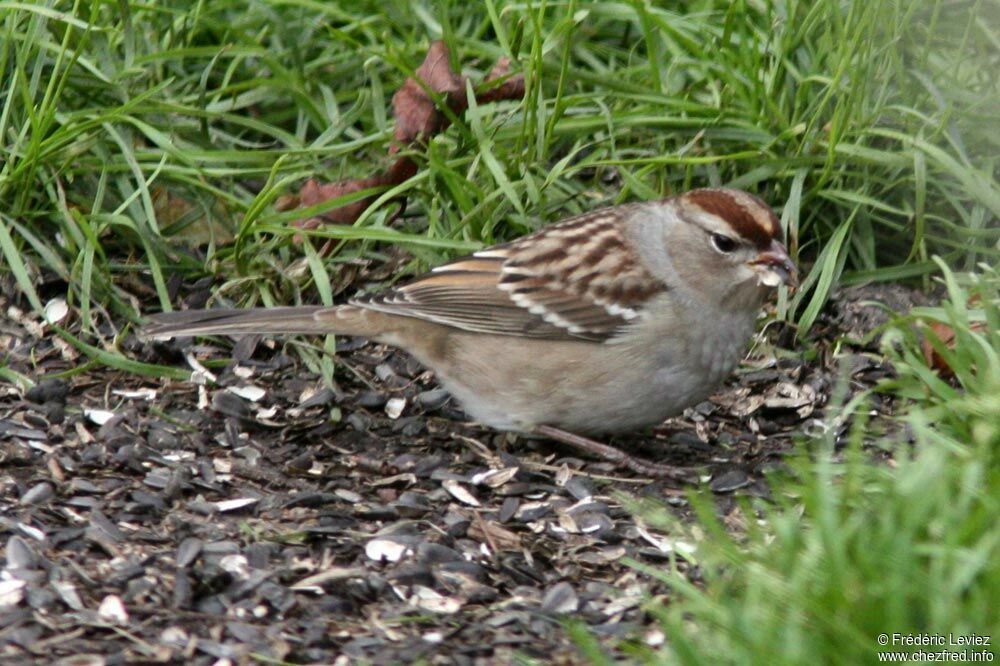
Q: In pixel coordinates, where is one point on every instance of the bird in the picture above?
(603, 323)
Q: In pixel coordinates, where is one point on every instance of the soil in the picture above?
(265, 516)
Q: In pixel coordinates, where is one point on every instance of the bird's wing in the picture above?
(576, 280)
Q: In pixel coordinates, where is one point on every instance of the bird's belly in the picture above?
(615, 391)
(596, 409)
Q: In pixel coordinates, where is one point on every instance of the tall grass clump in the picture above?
(854, 550)
(139, 140)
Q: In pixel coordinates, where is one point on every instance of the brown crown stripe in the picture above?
(747, 214)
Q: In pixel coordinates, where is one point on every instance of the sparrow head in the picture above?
(731, 242)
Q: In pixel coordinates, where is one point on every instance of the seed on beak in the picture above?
(773, 267)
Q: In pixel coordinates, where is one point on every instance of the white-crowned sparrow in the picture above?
(603, 323)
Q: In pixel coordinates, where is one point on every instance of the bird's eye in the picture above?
(723, 243)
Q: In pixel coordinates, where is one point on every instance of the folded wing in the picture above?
(576, 280)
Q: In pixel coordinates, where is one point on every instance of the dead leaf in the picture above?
(946, 334)
(418, 118)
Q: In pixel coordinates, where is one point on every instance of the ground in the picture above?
(267, 517)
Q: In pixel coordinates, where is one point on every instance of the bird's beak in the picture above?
(773, 266)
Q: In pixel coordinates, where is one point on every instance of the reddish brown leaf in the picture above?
(931, 356)
(313, 192)
(511, 88)
(417, 119)
(946, 334)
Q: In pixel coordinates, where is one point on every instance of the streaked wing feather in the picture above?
(576, 280)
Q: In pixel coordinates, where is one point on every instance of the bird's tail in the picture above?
(318, 320)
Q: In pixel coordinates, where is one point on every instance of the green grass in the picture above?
(851, 550)
(132, 132)
(144, 143)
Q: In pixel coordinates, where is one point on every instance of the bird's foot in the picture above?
(618, 457)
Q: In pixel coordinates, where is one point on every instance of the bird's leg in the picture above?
(617, 456)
